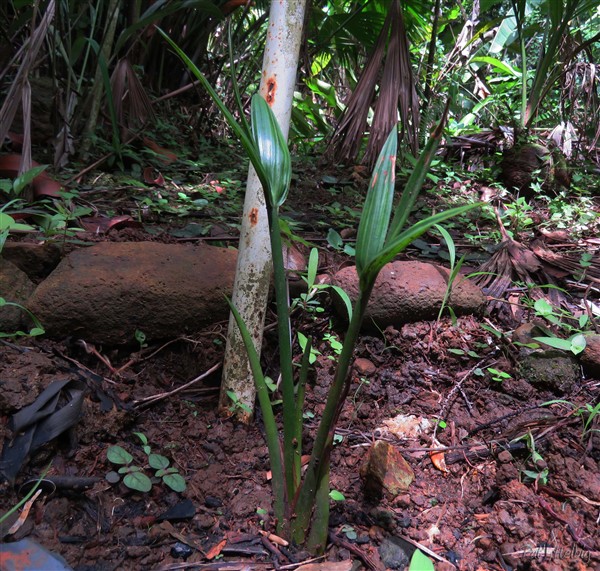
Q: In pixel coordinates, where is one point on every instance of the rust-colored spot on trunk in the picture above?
(271, 88)
(253, 216)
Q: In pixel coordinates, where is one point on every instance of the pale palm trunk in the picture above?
(254, 266)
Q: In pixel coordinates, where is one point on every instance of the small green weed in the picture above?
(335, 344)
(498, 375)
(349, 532)
(308, 300)
(36, 330)
(420, 562)
(14, 188)
(336, 242)
(237, 404)
(454, 269)
(588, 413)
(539, 472)
(576, 343)
(133, 475)
(337, 496)
(140, 337)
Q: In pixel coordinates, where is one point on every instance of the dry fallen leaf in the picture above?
(216, 549)
(438, 459)
(24, 514)
(165, 155)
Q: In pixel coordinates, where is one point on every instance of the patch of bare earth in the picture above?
(481, 510)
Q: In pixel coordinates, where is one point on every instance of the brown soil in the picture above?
(484, 509)
(480, 513)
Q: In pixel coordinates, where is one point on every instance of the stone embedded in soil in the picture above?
(408, 291)
(385, 469)
(15, 287)
(590, 358)
(364, 366)
(106, 292)
(36, 260)
(395, 553)
(553, 369)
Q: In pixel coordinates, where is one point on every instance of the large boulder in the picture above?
(407, 291)
(590, 358)
(104, 293)
(36, 260)
(15, 287)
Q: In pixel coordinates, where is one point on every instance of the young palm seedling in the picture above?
(301, 504)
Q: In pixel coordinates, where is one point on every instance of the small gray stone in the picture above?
(395, 553)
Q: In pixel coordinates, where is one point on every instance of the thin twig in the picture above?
(426, 550)
(161, 396)
(456, 388)
(355, 550)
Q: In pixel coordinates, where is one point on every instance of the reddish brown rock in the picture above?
(36, 260)
(590, 358)
(409, 291)
(386, 470)
(364, 367)
(15, 287)
(105, 292)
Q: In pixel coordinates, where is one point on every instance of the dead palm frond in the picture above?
(347, 138)
(536, 266)
(20, 89)
(132, 104)
(570, 263)
(396, 90)
(511, 263)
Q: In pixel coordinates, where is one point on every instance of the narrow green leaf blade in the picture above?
(26, 178)
(245, 137)
(313, 265)
(375, 218)
(400, 242)
(345, 298)
(415, 181)
(501, 66)
(264, 399)
(449, 243)
(273, 151)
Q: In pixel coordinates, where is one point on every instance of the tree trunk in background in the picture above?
(254, 266)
